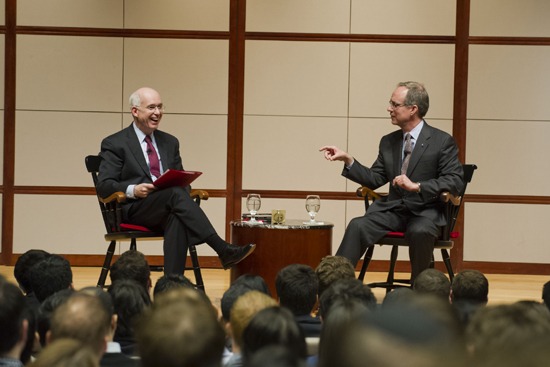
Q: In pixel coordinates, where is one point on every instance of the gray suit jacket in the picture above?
(434, 163)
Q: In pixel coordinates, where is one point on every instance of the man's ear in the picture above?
(149, 283)
(48, 337)
(71, 286)
(24, 331)
(114, 320)
(134, 111)
(451, 296)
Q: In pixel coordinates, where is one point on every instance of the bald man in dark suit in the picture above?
(412, 205)
(136, 156)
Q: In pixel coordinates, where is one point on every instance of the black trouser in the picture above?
(420, 234)
(182, 220)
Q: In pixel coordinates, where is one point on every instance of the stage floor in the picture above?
(503, 288)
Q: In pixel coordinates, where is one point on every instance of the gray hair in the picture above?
(135, 100)
(416, 95)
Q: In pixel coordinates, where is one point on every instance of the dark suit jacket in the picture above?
(123, 162)
(434, 163)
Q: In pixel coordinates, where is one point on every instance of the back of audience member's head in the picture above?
(66, 353)
(13, 332)
(180, 330)
(131, 265)
(23, 266)
(274, 356)
(346, 289)
(51, 275)
(82, 317)
(230, 297)
(129, 300)
(546, 294)
(432, 281)
(244, 309)
(397, 297)
(274, 326)
(297, 287)
(253, 282)
(494, 328)
(331, 269)
(470, 285)
(343, 313)
(171, 281)
(46, 310)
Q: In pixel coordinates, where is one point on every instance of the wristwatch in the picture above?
(419, 188)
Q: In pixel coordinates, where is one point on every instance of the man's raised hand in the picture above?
(333, 153)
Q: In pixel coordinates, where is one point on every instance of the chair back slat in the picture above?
(108, 211)
(454, 210)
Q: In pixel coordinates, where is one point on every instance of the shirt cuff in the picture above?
(130, 192)
(349, 167)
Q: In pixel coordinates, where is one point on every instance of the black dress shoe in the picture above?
(235, 254)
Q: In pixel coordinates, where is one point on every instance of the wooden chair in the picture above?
(396, 239)
(111, 210)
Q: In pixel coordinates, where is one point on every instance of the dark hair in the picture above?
(171, 281)
(331, 269)
(229, 298)
(397, 297)
(82, 317)
(46, 309)
(131, 265)
(274, 326)
(50, 275)
(274, 356)
(30, 316)
(12, 305)
(130, 300)
(343, 313)
(416, 95)
(253, 282)
(434, 282)
(470, 285)
(23, 266)
(546, 294)
(297, 287)
(180, 330)
(346, 289)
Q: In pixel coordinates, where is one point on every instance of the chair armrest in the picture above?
(118, 196)
(366, 192)
(447, 196)
(201, 194)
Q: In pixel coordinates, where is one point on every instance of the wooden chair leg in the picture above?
(133, 245)
(366, 262)
(106, 264)
(448, 265)
(393, 260)
(196, 267)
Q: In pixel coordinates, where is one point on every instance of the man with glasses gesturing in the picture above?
(135, 157)
(419, 161)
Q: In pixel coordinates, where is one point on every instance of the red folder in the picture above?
(174, 177)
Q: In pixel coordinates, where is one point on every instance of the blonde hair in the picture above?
(244, 309)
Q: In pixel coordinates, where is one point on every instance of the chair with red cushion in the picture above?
(396, 239)
(111, 210)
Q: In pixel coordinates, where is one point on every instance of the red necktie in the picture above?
(154, 165)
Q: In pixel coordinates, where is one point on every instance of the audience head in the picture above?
(244, 309)
(398, 296)
(29, 314)
(432, 281)
(297, 287)
(84, 318)
(274, 326)
(23, 266)
(230, 297)
(66, 353)
(171, 281)
(131, 265)
(51, 275)
(470, 285)
(546, 294)
(130, 299)
(180, 330)
(46, 310)
(494, 328)
(107, 303)
(346, 289)
(274, 356)
(253, 282)
(332, 269)
(13, 329)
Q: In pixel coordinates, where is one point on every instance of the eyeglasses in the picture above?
(152, 108)
(395, 105)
